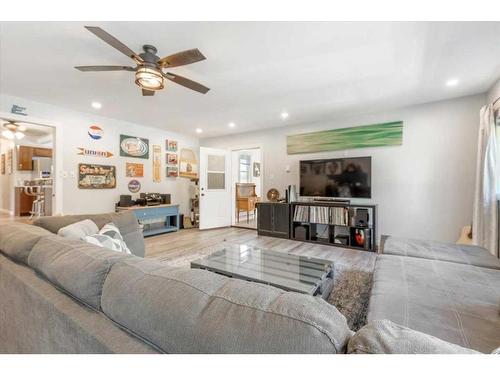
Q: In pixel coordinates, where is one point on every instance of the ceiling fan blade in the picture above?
(103, 68)
(147, 92)
(113, 42)
(182, 58)
(186, 83)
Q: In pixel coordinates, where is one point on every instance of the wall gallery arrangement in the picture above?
(134, 170)
(95, 176)
(134, 147)
(387, 134)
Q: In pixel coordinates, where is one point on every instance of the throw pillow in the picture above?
(110, 238)
(79, 230)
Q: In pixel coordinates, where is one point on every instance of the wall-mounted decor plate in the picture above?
(95, 132)
(134, 147)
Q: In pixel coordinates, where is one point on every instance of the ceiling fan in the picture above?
(149, 74)
(12, 130)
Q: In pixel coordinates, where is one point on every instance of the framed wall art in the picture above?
(172, 159)
(171, 145)
(94, 176)
(134, 170)
(3, 163)
(134, 147)
(376, 135)
(172, 172)
(188, 165)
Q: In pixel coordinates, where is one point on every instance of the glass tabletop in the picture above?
(286, 271)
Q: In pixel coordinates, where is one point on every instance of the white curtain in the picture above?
(484, 221)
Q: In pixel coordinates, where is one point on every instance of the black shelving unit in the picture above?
(340, 230)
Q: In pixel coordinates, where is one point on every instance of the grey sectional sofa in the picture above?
(66, 296)
(445, 290)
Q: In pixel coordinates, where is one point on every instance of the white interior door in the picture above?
(215, 189)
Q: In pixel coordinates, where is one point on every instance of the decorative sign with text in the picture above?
(94, 176)
(156, 163)
(96, 153)
(134, 186)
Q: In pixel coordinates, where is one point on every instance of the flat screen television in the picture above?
(339, 178)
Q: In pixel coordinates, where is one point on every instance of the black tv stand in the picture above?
(324, 222)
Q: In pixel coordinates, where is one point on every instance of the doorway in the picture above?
(27, 152)
(246, 186)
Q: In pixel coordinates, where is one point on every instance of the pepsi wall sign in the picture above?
(95, 132)
(134, 186)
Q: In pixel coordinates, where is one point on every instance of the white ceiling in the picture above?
(314, 71)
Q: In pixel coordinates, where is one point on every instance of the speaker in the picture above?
(165, 198)
(361, 218)
(126, 201)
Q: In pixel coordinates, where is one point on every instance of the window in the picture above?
(245, 175)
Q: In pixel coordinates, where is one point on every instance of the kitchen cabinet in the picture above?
(42, 152)
(25, 156)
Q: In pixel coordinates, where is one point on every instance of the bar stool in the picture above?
(38, 206)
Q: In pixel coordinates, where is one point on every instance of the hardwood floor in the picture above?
(180, 248)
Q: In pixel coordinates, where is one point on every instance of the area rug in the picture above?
(350, 295)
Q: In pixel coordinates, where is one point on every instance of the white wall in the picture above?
(423, 188)
(72, 129)
(494, 92)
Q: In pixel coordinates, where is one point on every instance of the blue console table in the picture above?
(158, 219)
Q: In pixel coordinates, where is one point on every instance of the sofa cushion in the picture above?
(75, 266)
(386, 337)
(78, 230)
(17, 240)
(454, 302)
(126, 222)
(196, 311)
(473, 255)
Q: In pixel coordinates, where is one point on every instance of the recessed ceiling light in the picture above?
(284, 115)
(231, 124)
(96, 105)
(452, 82)
(199, 130)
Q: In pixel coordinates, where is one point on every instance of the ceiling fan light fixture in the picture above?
(149, 78)
(19, 135)
(8, 134)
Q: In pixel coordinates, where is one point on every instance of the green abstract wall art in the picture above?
(376, 135)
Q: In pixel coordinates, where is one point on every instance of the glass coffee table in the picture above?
(295, 273)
